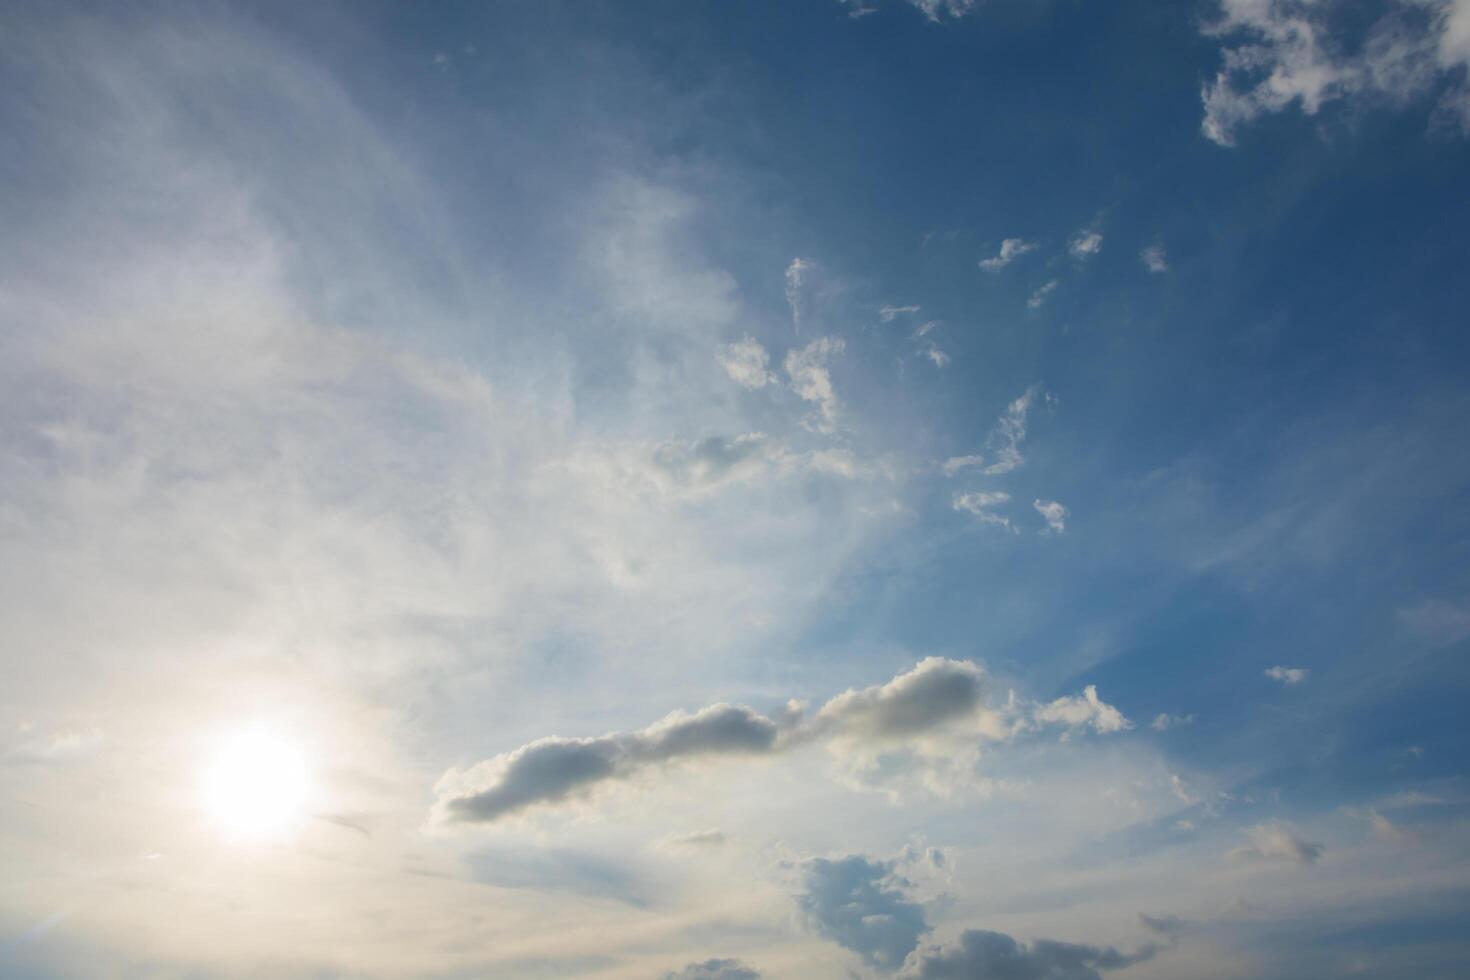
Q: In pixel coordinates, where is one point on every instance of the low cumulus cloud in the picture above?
(1084, 711)
(984, 955)
(714, 970)
(934, 710)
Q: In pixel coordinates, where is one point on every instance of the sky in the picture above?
(713, 490)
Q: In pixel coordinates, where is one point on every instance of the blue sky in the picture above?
(720, 491)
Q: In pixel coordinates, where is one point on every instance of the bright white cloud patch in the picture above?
(1287, 675)
(1053, 513)
(747, 363)
(937, 10)
(1280, 54)
(1085, 243)
(1010, 250)
(812, 382)
(981, 503)
(1086, 711)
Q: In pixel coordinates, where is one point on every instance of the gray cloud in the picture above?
(938, 699)
(714, 970)
(935, 692)
(984, 955)
(861, 905)
(553, 769)
(1164, 925)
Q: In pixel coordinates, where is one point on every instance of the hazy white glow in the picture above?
(256, 783)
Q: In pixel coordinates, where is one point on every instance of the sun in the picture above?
(256, 785)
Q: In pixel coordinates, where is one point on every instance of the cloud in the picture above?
(714, 970)
(1086, 243)
(984, 955)
(922, 711)
(747, 363)
(1163, 722)
(862, 905)
(980, 503)
(1010, 250)
(1086, 710)
(812, 382)
(695, 840)
(1005, 439)
(954, 464)
(1287, 675)
(1165, 925)
(935, 10)
(887, 313)
(1281, 54)
(795, 278)
(1039, 297)
(936, 692)
(1438, 621)
(1154, 259)
(1276, 841)
(939, 357)
(1054, 513)
(552, 770)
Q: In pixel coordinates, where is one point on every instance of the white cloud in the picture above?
(1054, 513)
(1163, 722)
(1010, 250)
(1085, 243)
(747, 363)
(1288, 675)
(1154, 259)
(888, 313)
(954, 464)
(795, 279)
(979, 503)
(1086, 710)
(812, 382)
(939, 357)
(1276, 841)
(1039, 297)
(1282, 54)
(935, 10)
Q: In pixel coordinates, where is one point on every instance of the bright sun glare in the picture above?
(256, 784)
